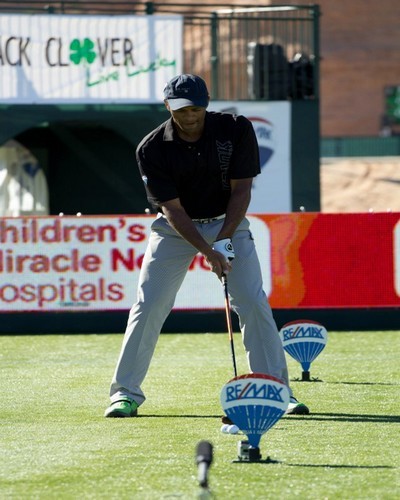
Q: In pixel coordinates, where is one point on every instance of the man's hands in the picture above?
(221, 256)
(225, 247)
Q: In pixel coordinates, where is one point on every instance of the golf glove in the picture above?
(225, 247)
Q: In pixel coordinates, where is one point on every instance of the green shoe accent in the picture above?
(297, 408)
(122, 408)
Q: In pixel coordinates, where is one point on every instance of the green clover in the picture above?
(82, 51)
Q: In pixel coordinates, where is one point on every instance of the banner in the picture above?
(335, 260)
(272, 191)
(308, 260)
(93, 263)
(87, 59)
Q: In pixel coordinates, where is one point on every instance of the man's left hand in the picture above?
(225, 247)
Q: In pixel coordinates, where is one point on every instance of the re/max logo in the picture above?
(301, 332)
(253, 391)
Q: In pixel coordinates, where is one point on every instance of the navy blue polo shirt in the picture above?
(198, 173)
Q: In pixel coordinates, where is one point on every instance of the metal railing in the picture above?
(109, 7)
(269, 53)
(244, 53)
(112, 7)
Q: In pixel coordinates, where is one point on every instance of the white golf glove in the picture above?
(225, 247)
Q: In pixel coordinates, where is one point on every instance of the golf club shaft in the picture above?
(229, 322)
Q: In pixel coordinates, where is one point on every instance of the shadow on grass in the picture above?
(324, 466)
(339, 417)
(179, 416)
(364, 383)
(316, 379)
(350, 417)
(342, 466)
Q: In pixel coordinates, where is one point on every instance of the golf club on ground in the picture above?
(229, 322)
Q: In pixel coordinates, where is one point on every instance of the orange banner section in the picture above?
(334, 260)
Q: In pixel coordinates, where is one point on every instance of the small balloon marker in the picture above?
(78, 214)
(371, 210)
(147, 211)
(304, 340)
(302, 209)
(61, 214)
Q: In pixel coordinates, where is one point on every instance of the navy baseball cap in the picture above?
(186, 90)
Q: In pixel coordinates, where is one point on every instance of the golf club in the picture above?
(229, 322)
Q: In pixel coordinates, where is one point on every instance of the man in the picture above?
(197, 168)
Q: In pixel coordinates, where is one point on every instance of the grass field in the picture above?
(55, 442)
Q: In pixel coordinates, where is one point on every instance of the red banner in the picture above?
(335, 260)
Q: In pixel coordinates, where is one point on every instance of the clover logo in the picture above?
(82, 52)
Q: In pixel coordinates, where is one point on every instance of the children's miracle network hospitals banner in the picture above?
(87, 59)
(308, 260)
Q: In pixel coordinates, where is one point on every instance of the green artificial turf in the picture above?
(55, 443)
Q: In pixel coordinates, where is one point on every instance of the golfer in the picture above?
(197, 168)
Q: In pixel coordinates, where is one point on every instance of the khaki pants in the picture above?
(165, 264)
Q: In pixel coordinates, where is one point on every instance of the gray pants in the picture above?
(165, 264)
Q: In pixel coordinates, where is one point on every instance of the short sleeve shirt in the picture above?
(198, 173)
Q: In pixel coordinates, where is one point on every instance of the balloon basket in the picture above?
(306, 377)
(248, 454)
